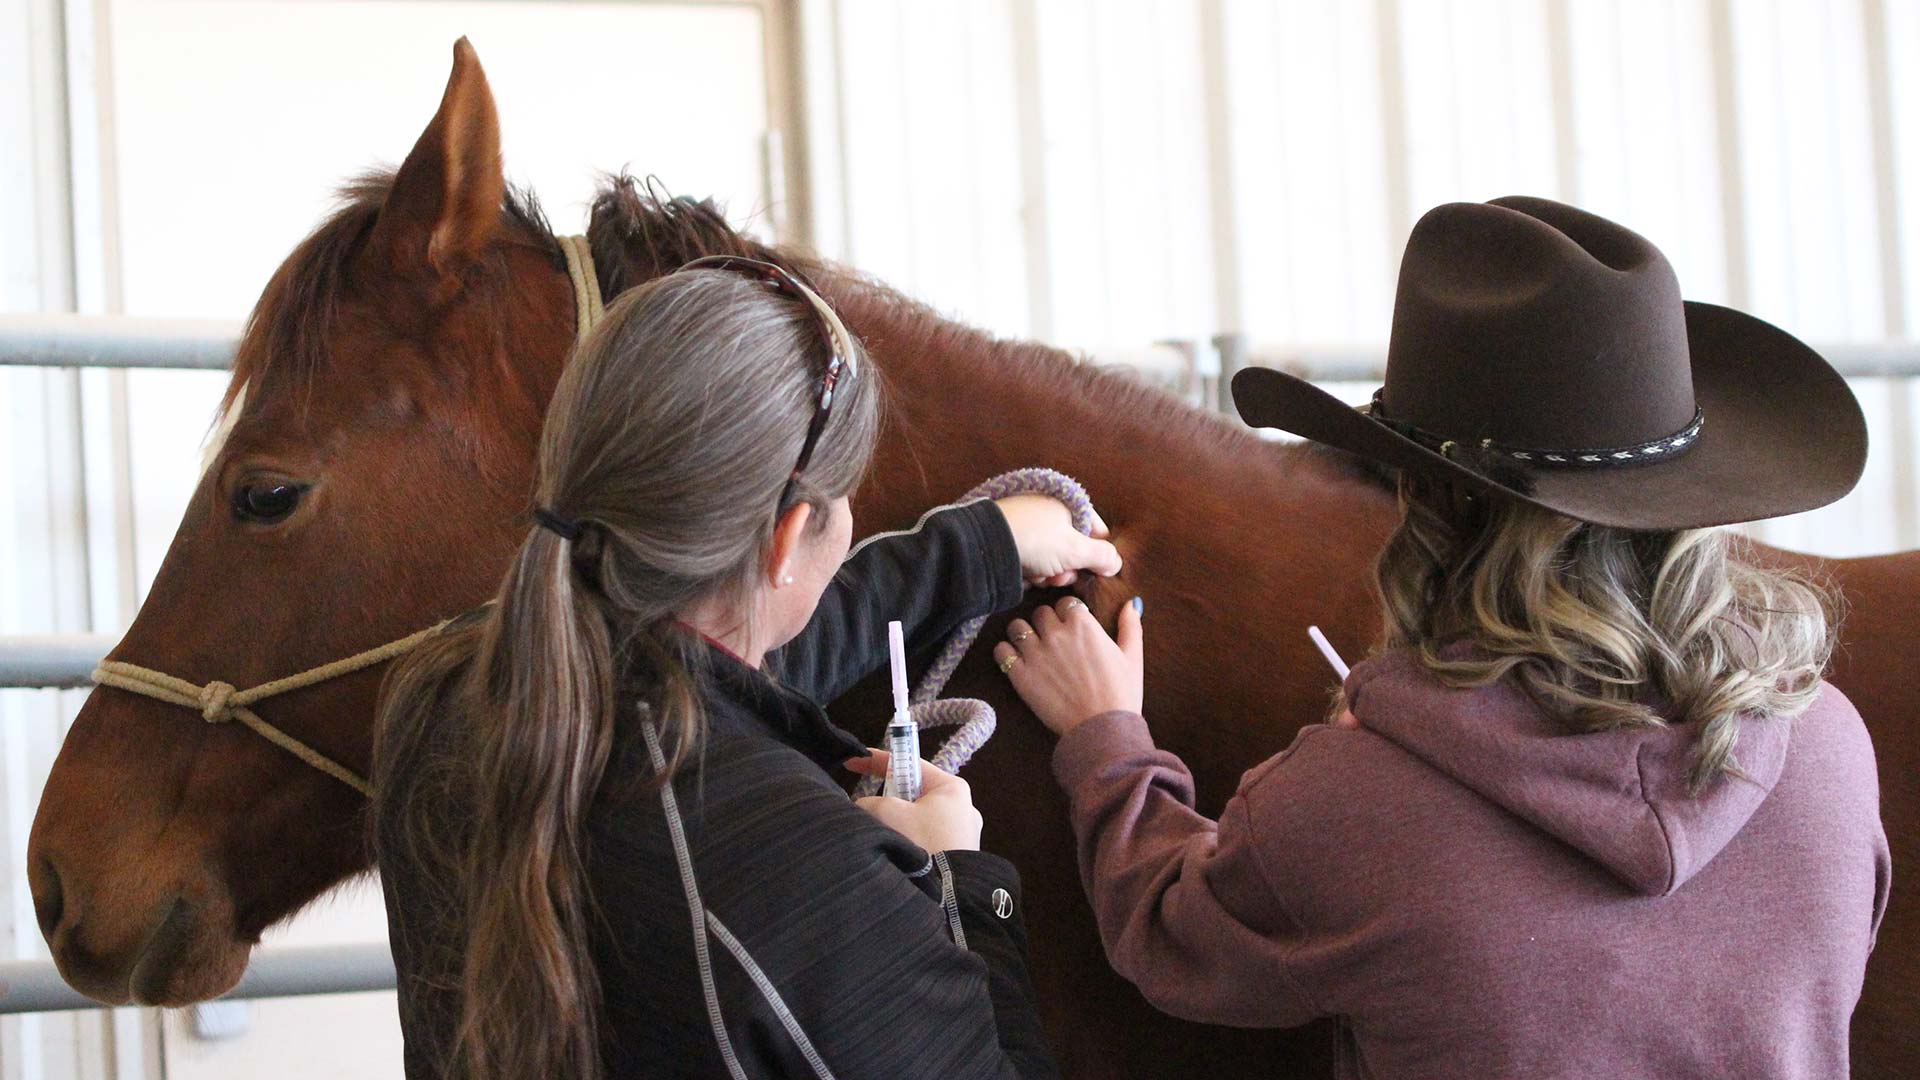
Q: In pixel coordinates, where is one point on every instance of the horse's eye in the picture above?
(266, 502)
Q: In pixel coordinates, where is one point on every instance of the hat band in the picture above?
(1604, 457)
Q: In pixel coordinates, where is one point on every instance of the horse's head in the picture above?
(386, 399)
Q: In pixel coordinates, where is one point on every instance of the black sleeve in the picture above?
(850, 925)
(980, 893)
(958, 563)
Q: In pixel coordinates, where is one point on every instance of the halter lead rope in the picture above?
(588, 306)
(220, 702)
(975, 718)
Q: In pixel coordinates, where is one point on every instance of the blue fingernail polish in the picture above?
(1139, 607)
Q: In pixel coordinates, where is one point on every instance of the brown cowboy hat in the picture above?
(1543, 353)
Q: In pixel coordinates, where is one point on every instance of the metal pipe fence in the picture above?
(1346, 363)
(28, 986)
(50, 661)
(116, 341)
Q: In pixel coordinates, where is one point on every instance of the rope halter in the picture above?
(220, 702)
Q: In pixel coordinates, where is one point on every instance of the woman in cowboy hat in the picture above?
(1590, 809)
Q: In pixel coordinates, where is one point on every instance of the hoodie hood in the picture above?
(1619, 796)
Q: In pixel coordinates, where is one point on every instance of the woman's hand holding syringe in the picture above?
(941, 819)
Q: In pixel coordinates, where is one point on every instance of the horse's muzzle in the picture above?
(183, 950)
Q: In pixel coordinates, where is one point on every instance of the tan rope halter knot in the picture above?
(214, 699)
(219, 702)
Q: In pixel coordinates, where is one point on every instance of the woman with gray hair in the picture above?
(606, 813)
(1590, 810)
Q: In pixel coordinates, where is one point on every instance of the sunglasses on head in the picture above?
(832, 331)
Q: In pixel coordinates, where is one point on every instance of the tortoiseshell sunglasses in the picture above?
(840, 355)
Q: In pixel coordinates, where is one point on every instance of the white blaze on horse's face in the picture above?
(373, 480)
(217, 438)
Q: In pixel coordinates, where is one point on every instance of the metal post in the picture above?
(51, 661)
(74, 341)
(28, 986)
(1031, 117)
(1222, 204)
(1231, 348)
(1893, 287)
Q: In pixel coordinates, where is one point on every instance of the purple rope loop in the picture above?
(974, 718)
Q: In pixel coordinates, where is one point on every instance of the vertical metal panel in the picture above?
(1643, 130)
(820, 62)
(790, 178)
(1726, 113)
(1566, 162)
(934, 113)
(1901, 447)
(1396, 149)
(1311, 175)
(1221, 204)
(1809, 220)
(1030, 118)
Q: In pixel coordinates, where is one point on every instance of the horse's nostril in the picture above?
(48, 898)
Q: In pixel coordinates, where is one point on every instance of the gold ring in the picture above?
(1006, 666)
(1021, 637)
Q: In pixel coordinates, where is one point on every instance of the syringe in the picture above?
(903, 735)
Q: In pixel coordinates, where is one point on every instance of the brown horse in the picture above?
(377, 477)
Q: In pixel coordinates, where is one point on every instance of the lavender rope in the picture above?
(975, 718)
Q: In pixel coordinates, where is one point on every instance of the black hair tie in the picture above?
(564, 528)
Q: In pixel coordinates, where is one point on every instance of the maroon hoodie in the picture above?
(1474, 891)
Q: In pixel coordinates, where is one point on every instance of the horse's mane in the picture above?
(913, 327)
(291, 323)
(638, 232)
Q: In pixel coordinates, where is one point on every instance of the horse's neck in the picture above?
(962, 406)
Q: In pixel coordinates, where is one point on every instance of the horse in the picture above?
(386, 399)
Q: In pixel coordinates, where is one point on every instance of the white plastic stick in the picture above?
(1326, 650)
(897, 648)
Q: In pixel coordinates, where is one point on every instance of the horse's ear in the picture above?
(444, 207)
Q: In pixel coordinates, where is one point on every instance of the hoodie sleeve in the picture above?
(1184, 906)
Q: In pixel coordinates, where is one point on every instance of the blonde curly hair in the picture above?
(1603, 627)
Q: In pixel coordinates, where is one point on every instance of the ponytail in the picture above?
(534, 690)
(538, 737)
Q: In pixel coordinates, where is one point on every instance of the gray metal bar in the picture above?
(1231, 351)
(68, 341)
(125, 342)
(1895, 359)
(50, 661)
(28, 986)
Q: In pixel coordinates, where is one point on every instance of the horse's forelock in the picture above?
(639, 231)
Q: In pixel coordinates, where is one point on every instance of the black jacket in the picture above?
(852, 923)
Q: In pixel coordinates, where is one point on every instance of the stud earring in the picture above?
(788, 580)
